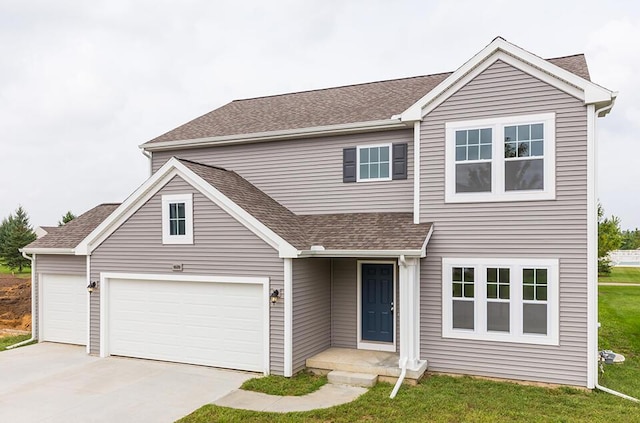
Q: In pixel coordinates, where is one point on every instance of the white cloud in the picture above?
(82, 84)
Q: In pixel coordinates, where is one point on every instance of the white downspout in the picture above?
(597, 385)
(148, 156)
(403, 360)
(32, 259)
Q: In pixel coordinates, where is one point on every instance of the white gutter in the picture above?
(316, 131)
(32, 259)
(361, 253)
(599, 113)
(68, 251)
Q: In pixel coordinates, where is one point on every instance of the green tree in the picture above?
(630, 240)
(15, 233)
(609, 239)
(68, 217)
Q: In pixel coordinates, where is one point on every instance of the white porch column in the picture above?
(410, 312)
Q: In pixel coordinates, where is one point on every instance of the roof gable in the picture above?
(561, 77)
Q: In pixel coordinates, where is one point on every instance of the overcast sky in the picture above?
(83, 83)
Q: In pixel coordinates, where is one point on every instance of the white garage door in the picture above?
(64, 309)
(207, 323)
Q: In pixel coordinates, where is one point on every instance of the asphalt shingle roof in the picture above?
(344, 231)
(330, 106)
(72, 233)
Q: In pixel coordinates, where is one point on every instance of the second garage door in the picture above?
(63, 308)
(209, 323)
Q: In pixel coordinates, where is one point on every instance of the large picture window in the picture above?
(501, 159)
(510, 300)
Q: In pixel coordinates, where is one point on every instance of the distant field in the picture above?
(26, 272)
(622, 275)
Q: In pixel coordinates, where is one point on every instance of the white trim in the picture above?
(364, 253)
(187, 200)
(372, 345)
(151, 186)
(88, 306)
(416, 172)
(389, 146)
(311, 132)
(499, 49)
(592, 250)
(409, 303)
(498, 192)
(105, 277)
(515, 335)
(44, 250)
(288, 317)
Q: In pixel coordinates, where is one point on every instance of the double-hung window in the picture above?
(374, 163)
(501, 159)
(177, 219)
(509, 300)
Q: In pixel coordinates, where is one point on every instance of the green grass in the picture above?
(619, 312)
(26, 272)
(622, 275)
(10, 340)
(450, 399)
(301, 384)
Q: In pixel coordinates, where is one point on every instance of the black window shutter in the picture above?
(399, 161)
(349, 164)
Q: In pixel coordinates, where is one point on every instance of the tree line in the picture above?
(611, 237)
(15, 233)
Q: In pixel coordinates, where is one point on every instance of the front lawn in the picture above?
(619, 312)
(7, 341)
(622, 275)
(301, 384)
(451, 399)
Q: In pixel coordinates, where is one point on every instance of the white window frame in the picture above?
(168, 199)
(516, 302)
(360, 147)
(498, 192)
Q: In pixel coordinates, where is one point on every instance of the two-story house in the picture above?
(446, 222)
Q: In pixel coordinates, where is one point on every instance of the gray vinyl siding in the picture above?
(344, 303)
(222, 247)
(61, 264)
(306, 175)
(531, 229)
(311, 309)
(54, 264)
(344, 307)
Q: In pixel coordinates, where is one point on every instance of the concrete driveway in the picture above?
(61, 383)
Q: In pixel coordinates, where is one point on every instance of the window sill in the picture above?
(502, 197)
(498, 337)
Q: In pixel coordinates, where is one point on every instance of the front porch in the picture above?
(380, 363)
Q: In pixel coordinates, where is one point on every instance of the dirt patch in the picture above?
(15, 303)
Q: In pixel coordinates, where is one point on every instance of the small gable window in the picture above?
(177, 219)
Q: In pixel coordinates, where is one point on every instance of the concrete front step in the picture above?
(340, 377)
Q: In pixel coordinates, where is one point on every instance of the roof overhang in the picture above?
(42, 250)
(312, 132)
(151, 186)
(318, 251)
(500, 49)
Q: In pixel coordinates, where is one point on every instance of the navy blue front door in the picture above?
(377, 302)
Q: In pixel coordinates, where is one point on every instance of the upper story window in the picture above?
(379, 162)
(509, 300)
(501, 159)
(374, 163)
(177, 219)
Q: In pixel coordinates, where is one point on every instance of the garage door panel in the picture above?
(64, 308)
(216, 324)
